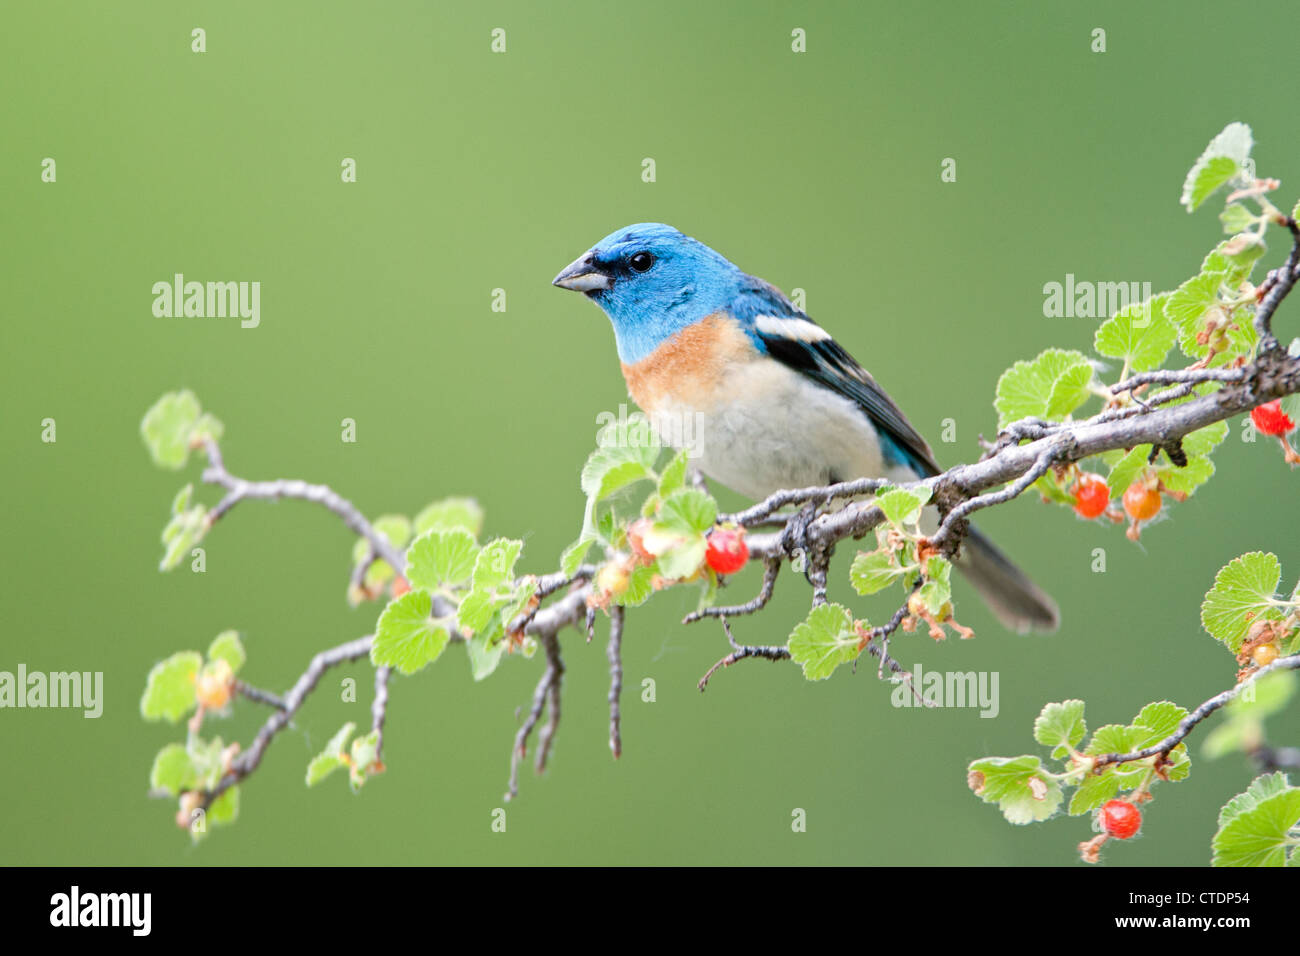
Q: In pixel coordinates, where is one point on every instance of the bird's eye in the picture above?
(641, 262)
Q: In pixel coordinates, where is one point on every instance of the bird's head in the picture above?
(652, 281)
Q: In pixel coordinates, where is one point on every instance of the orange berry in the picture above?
(1141, 501)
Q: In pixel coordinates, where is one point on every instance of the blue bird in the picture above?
(779, 403)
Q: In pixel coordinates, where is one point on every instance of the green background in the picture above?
(479, 171)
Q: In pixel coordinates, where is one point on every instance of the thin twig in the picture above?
(239, 489)
(771, 568)
(246, 762)
(259, 695)
(379, 708)
(547, 692)
(614, 653)
(1188, 723)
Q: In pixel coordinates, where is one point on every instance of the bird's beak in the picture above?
(581, 275)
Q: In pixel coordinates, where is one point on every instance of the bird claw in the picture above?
(794, 540)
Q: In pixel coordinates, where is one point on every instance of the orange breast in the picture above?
(689, 368)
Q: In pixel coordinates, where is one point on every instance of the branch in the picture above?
(1188, 723)
(379, 709)
(246, 762)
(1023, 452)
(239, 489)
(547, 692)
(741, 652)
(614, 652)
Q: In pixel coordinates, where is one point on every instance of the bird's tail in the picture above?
(1017, 601)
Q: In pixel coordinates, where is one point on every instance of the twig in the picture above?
(741, 652)
(953, 525)
(379, 708)
(771, 567)
(822, 495)
(614, 653)
(1188, 723)
(1280, 283)
(246, 762)
(259, 695)
(547, 692)
(238, 489)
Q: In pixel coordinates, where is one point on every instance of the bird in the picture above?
(779, 403)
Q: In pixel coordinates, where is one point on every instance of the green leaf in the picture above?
(1126, 470)
(1140, 334)
(519, 599)
(182, 533)
(167, 427)
(495, 564)
(225, 809)
(1050, 386)
(172, 771)
(406, 637)
(1187, 479)
(688, 509)
(1158, 720)
(1018, 785)
(331, 758)
(1221, 162)
(207, 427)
(365, 751)
(1260, 789)
(229, 648)
(674, 474)
(1205, 440)
(1236, 217)
(169, 691)
(1202, 182)
(824, 641)
(639, 586)
(1094, 791)
(678, 553)
(606, 473)
(1259, 835)
(1244, 585)
(1061, 726)
(902, 506)
(626, 453)
(1236, 257)
(574, 554)
(485, 653)
(441, 559)
(873, 571)
(476, 609)
(1114, 739)
(937, 589)
(450, 513)
(1189, 307)
(1187, 304)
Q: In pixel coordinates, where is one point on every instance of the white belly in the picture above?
(798, 435)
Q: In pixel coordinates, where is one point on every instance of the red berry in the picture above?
(1091, 496)
(727, 551)
(1120, 818)
(1141, 501)
(1271, 420)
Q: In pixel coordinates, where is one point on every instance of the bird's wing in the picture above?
(793, 339)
